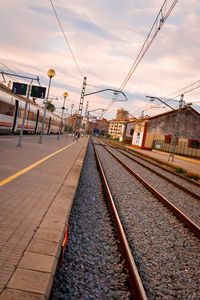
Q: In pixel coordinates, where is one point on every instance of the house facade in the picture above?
(156, 132)
(116, 127)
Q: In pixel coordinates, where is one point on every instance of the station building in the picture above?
(156, 132)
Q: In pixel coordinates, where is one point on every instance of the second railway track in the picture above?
(188, 203)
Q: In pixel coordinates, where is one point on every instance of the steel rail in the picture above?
(161, 175)
(135, 153)
(135, 280)
(187, 221)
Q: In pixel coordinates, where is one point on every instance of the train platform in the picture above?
(38, 183)
(186, 163)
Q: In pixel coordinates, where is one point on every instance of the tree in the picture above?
(102, 132)
(50, 106)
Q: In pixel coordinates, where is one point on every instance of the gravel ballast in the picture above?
(92, 266)
(185, 202)
(167, 253)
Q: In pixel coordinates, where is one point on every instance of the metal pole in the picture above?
(174, 138)
(152, 97)
(24, 116)
(72, 105)
(63, 108)
(80, 109)
(69, 119)
(45, 109)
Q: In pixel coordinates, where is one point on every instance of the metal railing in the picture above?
(181, 148)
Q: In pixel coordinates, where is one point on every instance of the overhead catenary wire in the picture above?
(184, 90)
(66, 39)
(5, 66)
(14, 73)
(157, 25)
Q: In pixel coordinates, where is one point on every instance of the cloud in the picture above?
(105, 37)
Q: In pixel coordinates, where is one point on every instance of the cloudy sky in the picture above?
(105, 37)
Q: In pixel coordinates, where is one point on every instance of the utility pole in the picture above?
(69, 120)
(86, 116)
(80, 109)
(174, 138)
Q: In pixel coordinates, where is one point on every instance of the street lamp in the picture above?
(51, 73)
(65, 95)
(72, 105)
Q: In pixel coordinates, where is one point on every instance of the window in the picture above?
(32, 116)
(6, 108)
(131, 131)
(168, 139)
(194, 144)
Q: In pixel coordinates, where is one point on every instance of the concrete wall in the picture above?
(189, 125)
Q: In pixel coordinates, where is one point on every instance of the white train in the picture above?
(12, 111)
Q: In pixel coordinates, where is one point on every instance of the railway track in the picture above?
(157, 164)
(93, 267)
(192, 188)
(149, 225)
(134, 278)
(150, 161)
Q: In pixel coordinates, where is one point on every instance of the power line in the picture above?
(14, 73)
(184, 90)
(65, 37)
(157, 25)
(5, 66)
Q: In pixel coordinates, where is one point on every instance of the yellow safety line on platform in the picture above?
(3, 182)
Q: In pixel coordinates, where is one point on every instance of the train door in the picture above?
(37, 120)
(15, 116)
(49, 126)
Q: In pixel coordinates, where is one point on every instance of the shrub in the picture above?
(179, 170)
(192, 176)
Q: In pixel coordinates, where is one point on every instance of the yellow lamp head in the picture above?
(51, 73)
(65, 94)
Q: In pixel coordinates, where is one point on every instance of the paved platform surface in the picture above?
(188, 164)
(38, 183)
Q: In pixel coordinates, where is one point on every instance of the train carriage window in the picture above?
(168, 139)
(32, 116)
(6, 108)
(22, 113)
(194, 143)
(56, 123)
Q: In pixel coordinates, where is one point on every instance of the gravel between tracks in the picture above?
(185, 202)
(92, 267)
(189, 185)
(167, 254)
